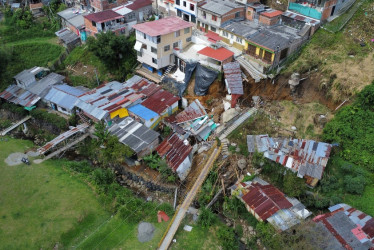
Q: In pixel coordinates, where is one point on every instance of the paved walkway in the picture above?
(188, 200)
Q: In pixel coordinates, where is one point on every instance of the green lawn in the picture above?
(41, 205)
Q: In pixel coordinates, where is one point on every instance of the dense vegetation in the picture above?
(116, 52)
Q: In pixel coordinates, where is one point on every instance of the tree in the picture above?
(101, 132)
(4, 60)
(292, 185)
(206, 217)
(227, 238)
(116, 52)
(365, 98)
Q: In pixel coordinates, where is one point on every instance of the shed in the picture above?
(148, 117)
(234, 81)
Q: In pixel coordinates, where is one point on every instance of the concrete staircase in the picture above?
(5, 131)
(247, 65)
(167, 71)
(225, 147)
(237, 123)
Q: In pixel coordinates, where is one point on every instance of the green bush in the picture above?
(103, 176)
(206, 218)
(227, 238)
(50, 118)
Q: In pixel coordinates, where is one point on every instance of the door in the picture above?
(332, 11)
(141, 16)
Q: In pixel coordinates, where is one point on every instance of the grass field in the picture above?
(41, 204)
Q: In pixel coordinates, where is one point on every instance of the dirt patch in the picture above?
(15, 159)
(81, 70)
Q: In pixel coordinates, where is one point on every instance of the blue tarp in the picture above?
(143, 112)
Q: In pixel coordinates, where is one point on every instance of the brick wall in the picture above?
(327, 9)
(249, 15)
(100, 5)
(231, 15)
(90, 29)
(269, 21)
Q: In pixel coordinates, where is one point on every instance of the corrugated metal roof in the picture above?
(143, 112)
(307, 157)
(174, 150)
(42, 86)
(220, 7)
(64, 96)
(103, 16)
(193, 111)
(351, 227)
(133, 134)
(160, 101)
(62, 137)
(233, 76)
(19, 96)
(137, 4)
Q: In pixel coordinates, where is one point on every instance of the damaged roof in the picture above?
(307, 157)
(233, 75)
(352, 228)
(62, 137)
(174, 150)
(19, 96)
(42, 86)
(133, 134)
(193, 111)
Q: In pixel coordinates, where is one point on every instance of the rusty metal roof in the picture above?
(19, 96)
(174, 150)
(233, 76)
(352, 228)
(265, 200)
(62, 137)
(160, 101)
(193, 111)
(306, 157)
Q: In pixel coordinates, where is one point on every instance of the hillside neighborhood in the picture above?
(238, 124)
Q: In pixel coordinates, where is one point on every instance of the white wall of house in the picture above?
(232, 37)
(184, 168)
(187, 10)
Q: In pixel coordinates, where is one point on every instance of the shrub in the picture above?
(103, 176)
(227, 238)
(206, 218)
(354, 185)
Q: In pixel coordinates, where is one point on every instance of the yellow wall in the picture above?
(257, 51)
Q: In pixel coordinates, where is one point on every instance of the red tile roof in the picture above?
(103, 16)
(174, 150)
(139, 4)
(213, 37)
(265, 200)
(220, 54)
(162, 26)
(160, 101)
(273, 13)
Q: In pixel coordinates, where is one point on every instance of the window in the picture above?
(204, 14)
(225, 34)
(192, 7)
(154, 60)
(179, 13)
(167, 48)
(238, 39)
(153, 50)
(214, 18)
(175, 45)
(177, 33)
(93, 24)
(184, 4)
(139, 53)
(144, 46)
(237, 14)
(144, 36)
(213, 29)
(158, 39)
(193, 19)
(186, 30)
(178, 2)
(188, 39)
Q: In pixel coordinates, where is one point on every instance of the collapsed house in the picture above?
(233, 81)
(193, 121)
(306, 157)
(178, 154)
(36, 9)
(266, 203)
(31, 86)
(349, 228)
